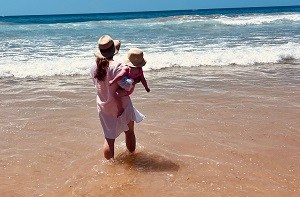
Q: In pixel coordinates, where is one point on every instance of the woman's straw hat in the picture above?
(135, 58)
(107, 47)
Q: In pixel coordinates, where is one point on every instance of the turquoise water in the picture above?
(64, 44)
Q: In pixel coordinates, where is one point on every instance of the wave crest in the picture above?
(257, 19)
(156, 60)
(234, 20)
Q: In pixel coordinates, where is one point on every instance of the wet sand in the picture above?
(209, 131)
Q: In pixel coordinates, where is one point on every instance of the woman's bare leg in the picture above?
(108, 148)
(130, 137)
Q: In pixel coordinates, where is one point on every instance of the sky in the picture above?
(45, 7)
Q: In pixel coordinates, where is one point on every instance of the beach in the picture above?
(207, 132)
(222, 116)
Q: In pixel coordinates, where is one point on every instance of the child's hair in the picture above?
(102, 64)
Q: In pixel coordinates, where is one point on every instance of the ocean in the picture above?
(222, 116)
(34, 46)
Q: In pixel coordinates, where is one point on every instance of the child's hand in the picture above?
(110, 82)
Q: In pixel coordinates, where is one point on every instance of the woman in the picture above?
(113, 121)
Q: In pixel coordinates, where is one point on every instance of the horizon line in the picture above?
(195, 9)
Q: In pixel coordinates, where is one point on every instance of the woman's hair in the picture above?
(102, 64)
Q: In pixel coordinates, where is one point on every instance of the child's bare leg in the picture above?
(121, 92)
(118, 94)
(119, 101)
(119, 105)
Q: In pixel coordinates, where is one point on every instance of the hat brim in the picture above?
(140, 64)
(109, 53)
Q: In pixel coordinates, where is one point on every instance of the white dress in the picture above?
(112, 125)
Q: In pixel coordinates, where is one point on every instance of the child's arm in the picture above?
(119, 76)
(144, 82)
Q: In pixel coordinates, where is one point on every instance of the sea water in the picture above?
(34, 46)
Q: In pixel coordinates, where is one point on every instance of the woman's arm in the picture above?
(119, 76)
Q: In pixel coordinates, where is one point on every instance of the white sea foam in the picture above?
(44, 67)
(221, 57)
(236, 20)
(241, 55)
(257, 19)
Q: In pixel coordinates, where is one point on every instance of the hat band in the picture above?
(108, 49)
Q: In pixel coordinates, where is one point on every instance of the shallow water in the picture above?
(208, 131)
